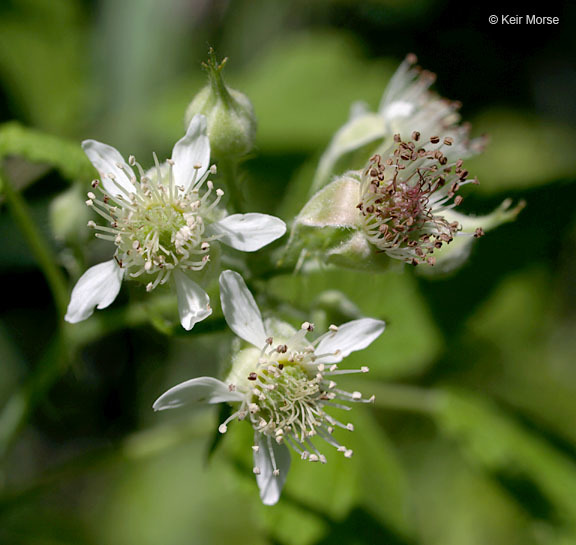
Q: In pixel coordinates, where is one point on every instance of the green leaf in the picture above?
(298, 108)
(522, 152)
(36, 146)
(494, 441)
(43, 61)
(411, 341)
(454, 503)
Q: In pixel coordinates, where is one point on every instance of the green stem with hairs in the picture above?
(38, 245)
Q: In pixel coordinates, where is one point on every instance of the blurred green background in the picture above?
(472, 438)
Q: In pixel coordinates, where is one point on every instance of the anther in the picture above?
(307, 326)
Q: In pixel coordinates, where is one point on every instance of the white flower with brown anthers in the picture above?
(283, 385)
(164, 224)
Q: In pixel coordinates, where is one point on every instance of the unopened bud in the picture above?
(230, 115)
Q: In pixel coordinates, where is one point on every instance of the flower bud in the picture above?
(230, 115)
(69, 215)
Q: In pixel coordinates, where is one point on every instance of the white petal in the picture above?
(193, 301)
(197, 390)
(240, 309)
(269, 455)
(351, 336)
(106, 160)
(191, 154)
(248, 232)
(97, 287)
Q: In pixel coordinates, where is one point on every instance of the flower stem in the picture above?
(38, 245)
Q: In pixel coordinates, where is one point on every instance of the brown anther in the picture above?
(415, 136)
(458, 199)
(252, 376)
(95, 183)
(269, 340)
(448, 141)
(434, 139)
(479, 232)
(397, 138)
(280, 366)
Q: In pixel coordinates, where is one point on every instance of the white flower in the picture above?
(283, 384)
(406, 199)
(164, 224)
(407, 105)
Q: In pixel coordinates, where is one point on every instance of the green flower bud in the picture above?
(230, 115)
(69, 215)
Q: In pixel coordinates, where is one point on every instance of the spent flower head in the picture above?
(283, 384)
(165, 223)
(400, 206)
(407, 105)
(405, 198)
